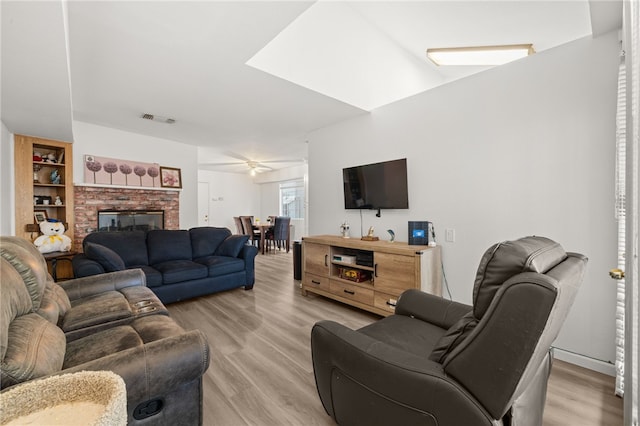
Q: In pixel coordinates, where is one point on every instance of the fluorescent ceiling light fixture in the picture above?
(479, 55)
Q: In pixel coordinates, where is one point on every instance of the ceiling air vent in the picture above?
(158, 118)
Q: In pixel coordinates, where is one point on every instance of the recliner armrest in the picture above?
(429, 308)
(96, 284)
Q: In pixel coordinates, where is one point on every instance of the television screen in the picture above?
(376, 186)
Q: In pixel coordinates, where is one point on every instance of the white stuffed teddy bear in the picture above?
(53, 238)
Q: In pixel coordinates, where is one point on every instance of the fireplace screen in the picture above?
(130, 220)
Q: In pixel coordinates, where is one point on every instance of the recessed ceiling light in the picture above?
(479, 55)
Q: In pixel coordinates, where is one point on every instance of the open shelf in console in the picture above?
(352, 266)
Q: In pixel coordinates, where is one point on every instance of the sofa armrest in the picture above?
(95, 284)
(156, 368)
(432, 309)
(248, 254)
(343, 362)
(85, 267)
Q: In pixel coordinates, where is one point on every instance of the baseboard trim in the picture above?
(586, 362)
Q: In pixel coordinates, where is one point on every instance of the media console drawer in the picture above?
(315, 281)
(353, 292)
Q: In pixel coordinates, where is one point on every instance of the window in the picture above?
(292, 199)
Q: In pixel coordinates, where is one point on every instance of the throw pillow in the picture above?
(456, 334)
(232, 245)
(106, 257)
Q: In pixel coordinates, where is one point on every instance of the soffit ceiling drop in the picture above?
(369, 53)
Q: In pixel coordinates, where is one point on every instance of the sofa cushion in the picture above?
(175, 271)
(456, 334)
(164, 245)
(232, 245)
(96, 309)
(131, 246)
(504, 260)
(35, 348)
(206, 239)
(152, 275)
(221, 265)
(107, 258)
(101, 344)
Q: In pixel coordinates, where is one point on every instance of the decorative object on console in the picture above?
(420, 233)
(53, 238)
(344, 230)
(170, 178)
(392, 235)
(370, 236)
(111, 171)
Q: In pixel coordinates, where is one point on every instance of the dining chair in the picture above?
(247, 226)
(280, 232)
(239, 227)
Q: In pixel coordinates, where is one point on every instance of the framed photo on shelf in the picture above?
(40, 216)
(170, 177)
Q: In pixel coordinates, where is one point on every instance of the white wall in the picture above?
(91, 139)
(270, 195)
(527, 148)
(230, 194)
(239, 194)
(7, 194)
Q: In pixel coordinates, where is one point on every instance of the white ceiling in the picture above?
(249, 79)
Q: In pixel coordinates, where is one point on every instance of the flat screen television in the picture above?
(376, 186)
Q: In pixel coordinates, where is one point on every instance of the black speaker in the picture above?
(419, 233)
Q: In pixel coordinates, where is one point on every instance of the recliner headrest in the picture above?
(504, 260)
(29, 262)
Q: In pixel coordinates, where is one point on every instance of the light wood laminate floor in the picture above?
(261, 372)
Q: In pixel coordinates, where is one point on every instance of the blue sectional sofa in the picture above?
(178, 264)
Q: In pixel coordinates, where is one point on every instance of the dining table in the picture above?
(263, 228)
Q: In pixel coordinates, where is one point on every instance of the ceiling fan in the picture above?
(252, 165)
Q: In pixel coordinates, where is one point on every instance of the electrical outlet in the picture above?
(450, 235)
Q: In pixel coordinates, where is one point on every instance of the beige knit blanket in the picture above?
(96, 398)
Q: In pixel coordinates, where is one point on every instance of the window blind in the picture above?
(620, 193)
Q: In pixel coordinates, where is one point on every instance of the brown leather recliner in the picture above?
(438, 362)
(104, 322)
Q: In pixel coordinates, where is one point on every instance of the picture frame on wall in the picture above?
(40, 216)
(170, 177)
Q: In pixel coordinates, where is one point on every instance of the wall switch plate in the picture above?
(450, 235)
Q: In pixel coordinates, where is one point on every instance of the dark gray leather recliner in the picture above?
(98, 323)
(438, 362)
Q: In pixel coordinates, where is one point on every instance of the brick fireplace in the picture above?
(90, 199)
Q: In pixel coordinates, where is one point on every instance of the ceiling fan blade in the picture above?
(262, 166)
(237, 156)
(237, 163)
(282, 161)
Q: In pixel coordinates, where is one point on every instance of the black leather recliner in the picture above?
(438, 362)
